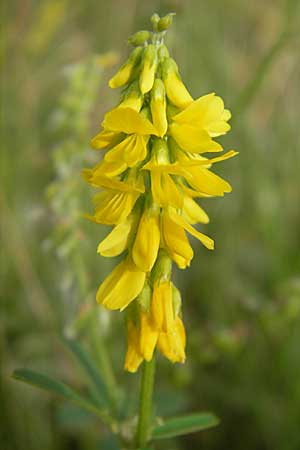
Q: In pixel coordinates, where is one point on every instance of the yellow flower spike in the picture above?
(121, 286)
(128, 121)
(117, 240)
(133, 358)
(124, 73)
(149, 68)
(146, 244)
(177, 93)
(162, 306)
(175, 241)
(151, 173)
(148, 336)
(158, 107)
(172, 344)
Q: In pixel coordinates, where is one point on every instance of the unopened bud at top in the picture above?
(163, 52)
(124, 73)
(139, 38)
(154, 20)
(165, 22)
(149, 68)
(176, 90)
(158, 107)
(133, 97)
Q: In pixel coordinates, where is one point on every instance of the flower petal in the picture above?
(128, 121)
(205, 240)
(121, 286)
(117, 240)
(193, 139)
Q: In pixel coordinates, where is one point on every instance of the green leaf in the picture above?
(184, 425)
(97, 386)
(47, 383)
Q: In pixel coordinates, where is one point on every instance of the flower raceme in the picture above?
(149, 179)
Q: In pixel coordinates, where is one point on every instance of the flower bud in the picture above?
(163, 52)
(124, 73)
(117, 240)
(133, 357)
(133, 98)
(177, 301)
(154, 20)
(148, 336)
(162, 306)
(146, 245)
(158, 107)
(176, 242)
(172, 343)
(160, 152)
(144, 298)
(165, 22)
(149, 68)
(176, 90)
(121, 286)
(139, 38)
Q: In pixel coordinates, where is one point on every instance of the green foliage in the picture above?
(184, 425)
(49, 384)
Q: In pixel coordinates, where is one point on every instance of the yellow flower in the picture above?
(207, 113)
(118, 239)
(179, 220)
(146, 245)
(133, 357)
(172, 343)
(148, 69)
(133, 98)
(192, 212)
(194, 127)
(175, 241)
(158, 107)
(105, 139)
(148, 336)
(124, 73)
(114, 205)
(176, 90)
(130, 151)
(121, 286)
(126, 132)
(162, 306)
(164, 190)
(129, 121)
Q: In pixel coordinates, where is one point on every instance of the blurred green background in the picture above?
(241, 302)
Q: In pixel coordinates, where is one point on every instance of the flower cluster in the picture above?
(150, 177)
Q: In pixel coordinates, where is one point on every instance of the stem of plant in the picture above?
(145, 410)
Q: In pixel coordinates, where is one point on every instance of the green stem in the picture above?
(145, 410)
